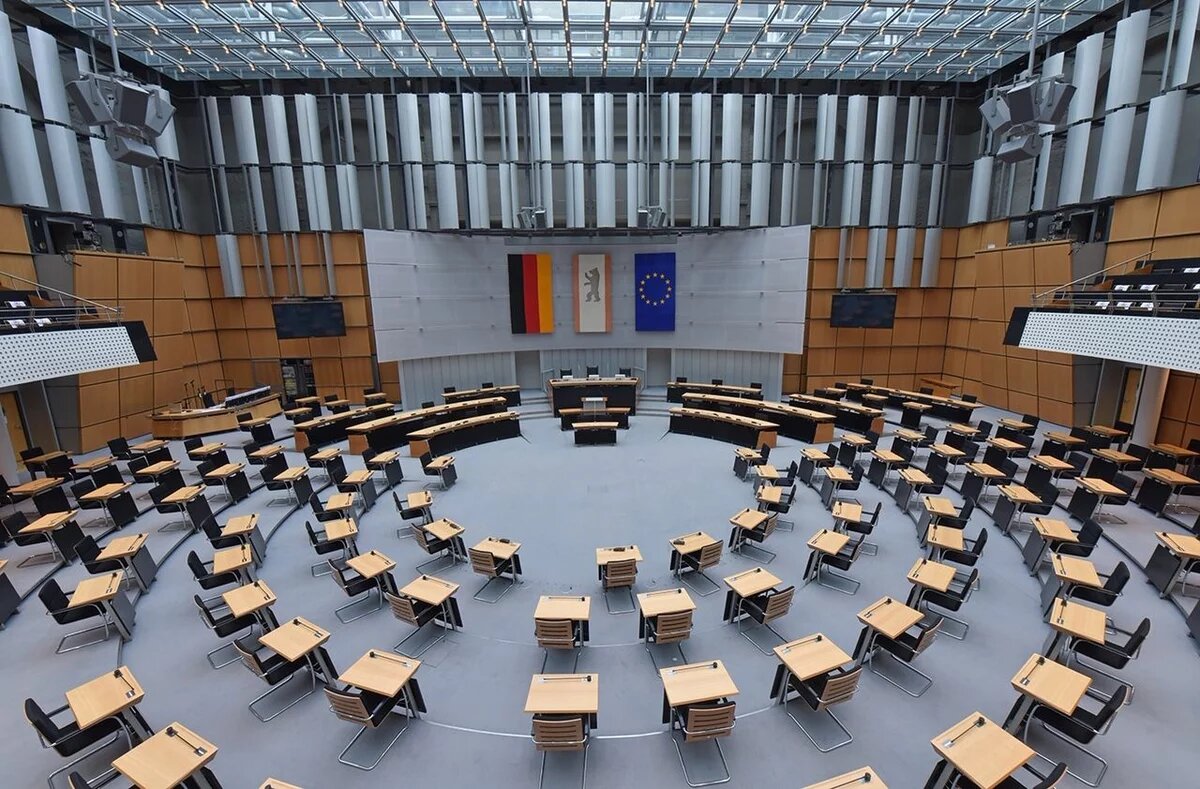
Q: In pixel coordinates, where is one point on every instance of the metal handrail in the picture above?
(1167, 303)
(37, 286)
(1037, 297)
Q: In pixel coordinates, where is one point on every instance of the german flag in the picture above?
(530, 293)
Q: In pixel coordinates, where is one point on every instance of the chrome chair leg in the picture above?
(653, 662)
(849, 737)
(361, 599)
(212, 653)
(966, 627)
(822, 570)
(484, 599)
(546, 659)
(342, 756)
(608, 602)
(583, 781)
(1103, 764)
(291, 704)
(683, 763)
(746, 635)
(435, 560)
(441, 637)
(928, 679)
(683, 578)
(103, 777)
(105, 627)
(741, 549)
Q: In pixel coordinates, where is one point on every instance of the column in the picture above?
(1149, 407)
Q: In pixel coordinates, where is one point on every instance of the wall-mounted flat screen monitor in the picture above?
(863, 310)
(309, 318)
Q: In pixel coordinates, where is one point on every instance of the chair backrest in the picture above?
(315, 502)
(31, 452)
(196, 566)
(1030, 419)
(1117, 579)
(1090, 533)
(52, 596)
(1111, 707)
(718, 381)
(709, 721)
(1053, 778)
(928, 634)
(1125, 482)
(191, 443)
(1138, 638)
(428, 404)
(348, 705)
(620, 573)
(593, 369)
(82, 488)
(53, 500)
(41, 722)
(980, 541)
(559, 733)
(119, 447)
(483, 562)
(402, 608)
(249, 656)
(765, 452)
(77, 781)
(840, 688)
(710, 555)
(86, 549)
(108, 475)
(554, 633)
(780, 603)
(673, 627)
(14, 523)
(681, 379)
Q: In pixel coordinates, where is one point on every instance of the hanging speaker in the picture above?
(1022, 100)
(1019, 149)
(1056, 100)
(995, 115)
(130, 150)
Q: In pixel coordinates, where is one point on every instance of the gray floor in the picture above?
(561, 502)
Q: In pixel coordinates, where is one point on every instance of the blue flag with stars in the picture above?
(654, 291)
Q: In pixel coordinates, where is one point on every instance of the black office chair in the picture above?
(57, 602)
(109, 475)
(51, 501)
(408, 514)
(820, 693)
(1111, 653)
(212, 531)
(68, 740)
(842, 560)
(969, 555)
(448, 390)
(119, 447)
(356, 587)
(202, 572)
(428, 404)
(61, 467)
(27, 456)
(905, 648)
(319, 510)
(952, 600)
(369, 710)
(564, 372)
(756, 385)
(1106, 595)
(447, 473)
(718, 382)
(625, 371)
(679, 379)
(223, 625)
(864, 528)
(593, 370)
(1080, 728)
(87, 550)
(273, 669)
(1088, 538)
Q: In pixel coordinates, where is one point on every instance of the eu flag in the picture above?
(654, 283)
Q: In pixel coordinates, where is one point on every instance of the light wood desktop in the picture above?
(931, 575)
(106, 492)
(665, 601)
(1054, 529)
(166, 759)
(122, 547)
(444, 529)
(752, 582)
(49, 522)
(1078, 620)
(576, 608)
(228, 560)
(828, 541)
(36, 486)
(381, 671)
(939, 505)
(294, 639)
(690, 543)
(862, 776)
(617, 554)
(847, 511)
(696, 683)
(183, 495)
(982, 751)
(240, 525)
(156, 470)
(563, 694)
(371, 564)
(1051, 683)
(1076, 571)
(93, 465)
(811, 656)
(340, 501)
(503, 550)
(429, 589)
(105, 696)
(269, 451)
(341, 529)
(97, 589)
(944, 538)
(889, 616)
(249, 599)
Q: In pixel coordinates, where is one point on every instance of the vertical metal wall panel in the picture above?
(1052, 66)
(852, 174)
(1079, 132)
(761, 157)
(731, 159)
(633, 158)
(906, 211)
(545, 150)
(441, 137)
(788, 173)
(881, 189)
(18, 147)
(701, 159)
(216, 150)
(606, 170)
(279, 154)
(978, 203)
(1185, 41)
(107, 183)
(668, 141)
(60, 137)
(478, 205)
(231, 265)
(1124, 76)
(409, 120)
(380, 156)
(931, 255)
(323, 219)
(243, 130)
(10, 77)
(510, 192)
(349, 205)
(572, 148)
(1160, 140)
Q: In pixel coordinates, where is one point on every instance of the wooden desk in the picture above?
(1066, 439)
(225, 472)
(325, 455)
(205, 450)
(380, 671)
(228, 560)
(770, 494)
(617, 554)
(122, 547)
(93, 465)
(1099, 486)
(751, 582)
(931, 575)
(269, 451)
(1005, 445)
(889, 616)
(106, 492)
(371, 564)
(183, 495)
(105, 696)
(249, 599)
(360, 476)
(340, 501)
(1177, 452)
(1172, 558)
(48, 523)
(1017, 425)
(294, 638)
(1050, 463)
(811, 656)
(947, 451)
(166, 759)
(155, 470)
(1116, 456)
(837, 474)
(1106, 431)
(1019, 494)
(1051, 683)
(847, 511)
(718, 425)
(981, 751)
(696, 683)
(207, 421)
(690, 543)
(418, 499)
(863, 775)
(828, 542)
(915, 476)
(1169, 477)
(462, 433)
(563, 694)
(1074, 570)
(570, 392)
(576, 608)
(341, 529)
(943, 538)
(665, 601)
(855, 440)
(240, 525)
(96, 589)
(939, 505)
(444, 529)
(1054, 529)
(147, 446)
(1073, 619)
(511, 393)
(812, 453)
(430, 589)
(275, 783)
(291, 473)
(961, 429)
(36, 486)
(503, 550)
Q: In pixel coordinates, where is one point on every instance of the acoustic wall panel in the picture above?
(1134, 339)
(60, 136)
(1160, 140)
(37, 356)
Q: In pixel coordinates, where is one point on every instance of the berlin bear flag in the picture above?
(654, 291)
(593, 294)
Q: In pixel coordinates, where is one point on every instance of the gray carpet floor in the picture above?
(561, 502)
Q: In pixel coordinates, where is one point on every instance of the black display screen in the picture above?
(318, 318)
(863, 310)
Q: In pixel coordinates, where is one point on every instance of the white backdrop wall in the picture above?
(446, 295)
(424, 379)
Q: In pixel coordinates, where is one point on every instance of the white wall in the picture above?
(435, 295)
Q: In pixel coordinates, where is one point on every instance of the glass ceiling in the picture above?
(835, 39)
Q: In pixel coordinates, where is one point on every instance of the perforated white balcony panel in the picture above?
(1173, 343)
(37, 356)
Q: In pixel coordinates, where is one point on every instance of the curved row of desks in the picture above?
(450, 436)
(510, 392)
(677, 390)
(207, 421)
(570, 392)
(802, 424)
(741, 430)
(332, 428)
(848, 416)
(392, 431)
(946, 407)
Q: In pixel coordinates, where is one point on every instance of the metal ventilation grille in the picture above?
(1173, 343)
(37, 356)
